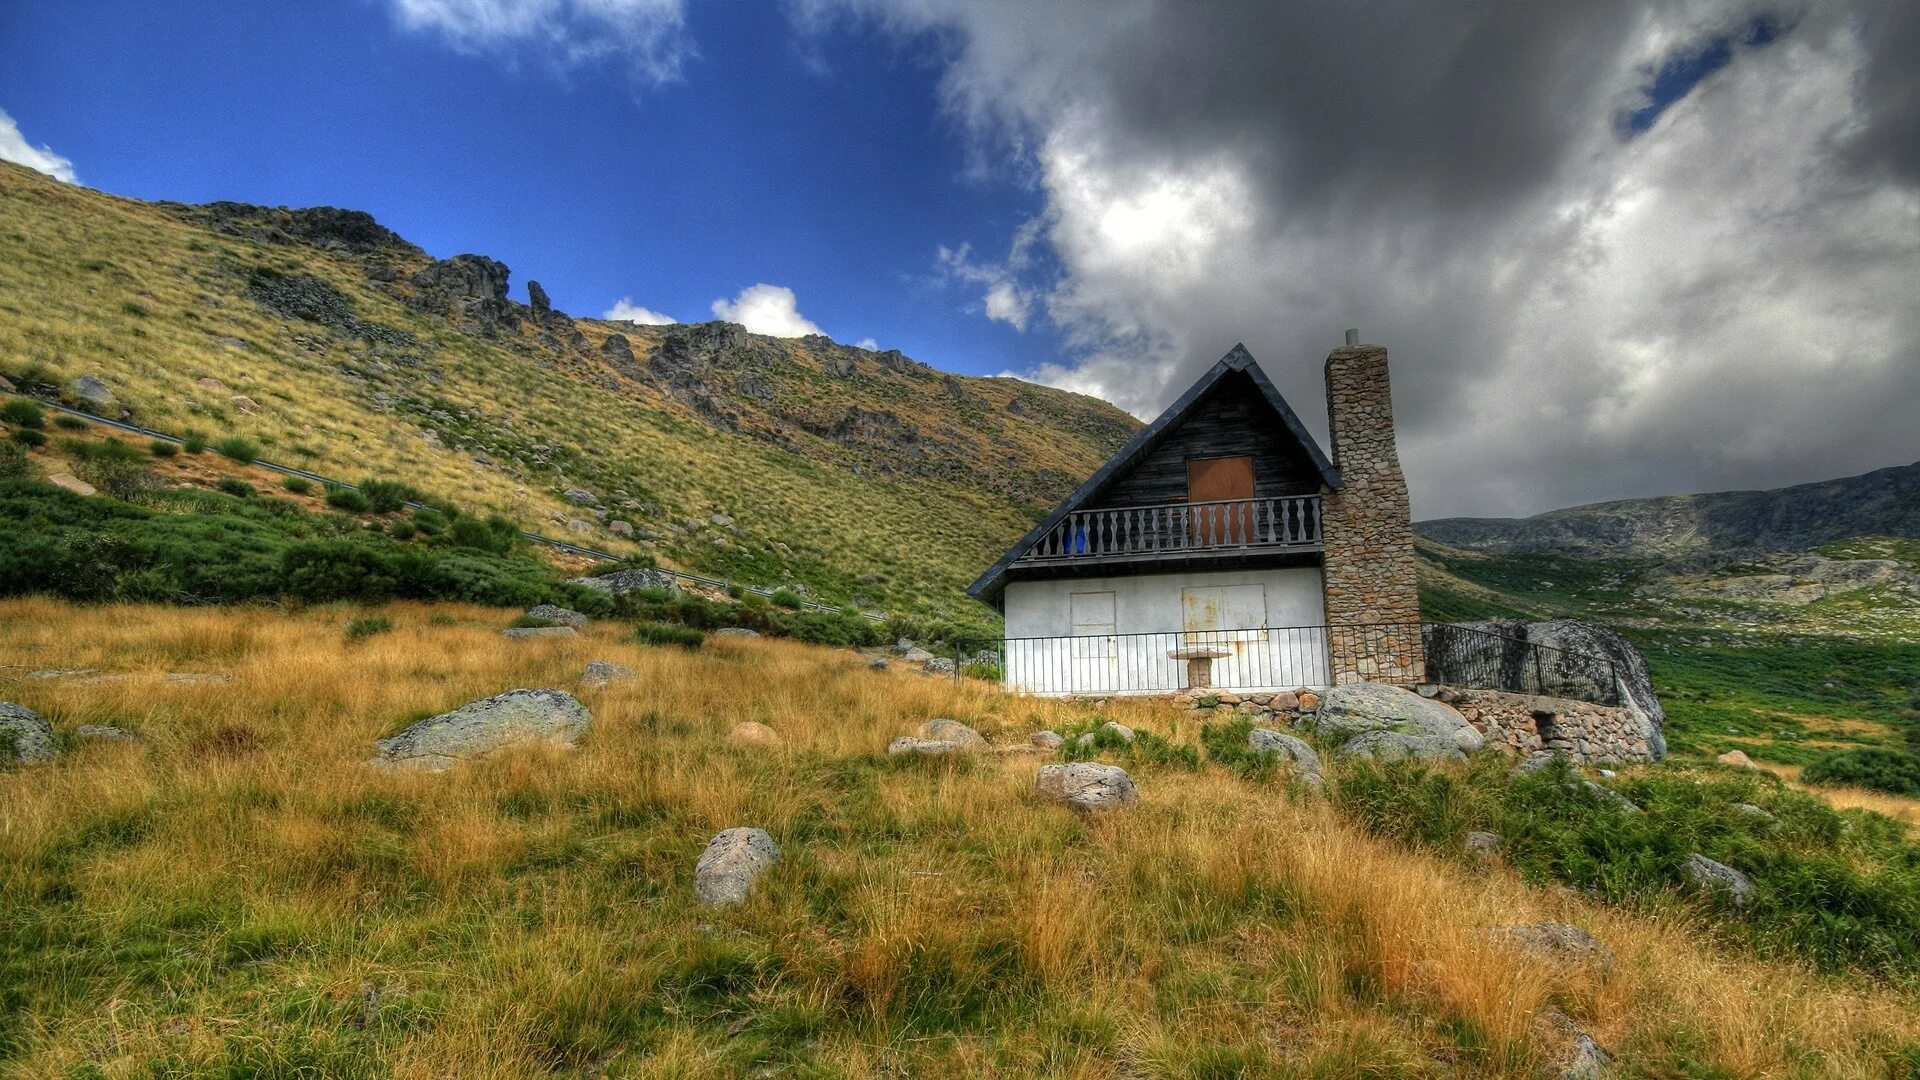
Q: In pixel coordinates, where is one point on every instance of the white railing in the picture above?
(1291, 521)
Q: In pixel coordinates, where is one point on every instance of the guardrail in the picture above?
(552, 542)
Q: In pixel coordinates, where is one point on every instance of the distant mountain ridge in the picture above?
(1884, 502)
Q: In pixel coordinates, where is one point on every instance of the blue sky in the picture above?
(755, 166)
(1616, 249)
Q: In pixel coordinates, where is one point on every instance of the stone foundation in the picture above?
(1372, 591)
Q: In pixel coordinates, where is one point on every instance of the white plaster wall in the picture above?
(1044, 656)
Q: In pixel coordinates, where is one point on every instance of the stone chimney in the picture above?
(1372, 590)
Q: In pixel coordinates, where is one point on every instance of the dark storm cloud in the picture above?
(1890, 92)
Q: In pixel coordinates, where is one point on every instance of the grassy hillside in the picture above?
(334, 345)
(236, 895)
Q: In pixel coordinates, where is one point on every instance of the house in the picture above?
(1221, 547)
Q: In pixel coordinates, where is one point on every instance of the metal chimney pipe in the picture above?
(1353, 338)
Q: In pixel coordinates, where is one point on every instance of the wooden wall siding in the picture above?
(1232, 419)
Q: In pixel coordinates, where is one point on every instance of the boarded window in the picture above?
(1223, 607)
(1219, 479)
(1093, 628)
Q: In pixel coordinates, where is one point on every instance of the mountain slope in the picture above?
(1885, 502)
(861, 476)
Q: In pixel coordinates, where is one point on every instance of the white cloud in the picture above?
(625, 310)
(14, 147)
(1004, 299)
(868, 344)
(648, 35)
(766, 309)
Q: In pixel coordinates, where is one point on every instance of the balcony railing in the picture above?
(1288, 522)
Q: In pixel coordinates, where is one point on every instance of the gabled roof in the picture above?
(1238, 359)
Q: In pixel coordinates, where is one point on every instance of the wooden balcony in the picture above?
(1181, 530)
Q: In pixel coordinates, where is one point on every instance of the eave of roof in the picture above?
(988, 586)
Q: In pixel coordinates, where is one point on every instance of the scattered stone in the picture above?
(1086, 785)
(516, 633)
(1309, 701)
(1483, 845)
(477, 729)
(213, 386)
(733, 861)
(1123, 731)
(622, 529)
(579, 525)
(1376, 720)
(580, 497)
(736, 631)
(940, 665)
(25, 736)
(953, 731)
(907, 745)
(197, 678)
(105, 732)
(916, 655)
(1046, 740)
(621, 582)
(903, 646)
(1289, 748)
(1608, 795)
(1736, 758)
(71, 483)
(1284, 701)
(722, 520)
(1718, 877)
(93, 394)
(878, 663)
(753, 733)
(554, 613)
(1560, 940)
(602, 673)
(1587, 1062)
(244, 403)
(1752, 811)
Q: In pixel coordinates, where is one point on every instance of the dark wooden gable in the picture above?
(1231, 419)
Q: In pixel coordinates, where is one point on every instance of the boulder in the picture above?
(71, 483)
(1288, 748)
(25, 736)
(940, 665)
(477, 729)
(621, 582)
(537, 298)
(736, 631)
(733, 861)
(580, 497)
(953, 731)
(1608, 795)
(916, 656)
(753, 733)
(602, 673)
(1721, 879)
(908, 746)
(1086, 785)
(521, 633)
(212, 385)
(244, 403)
(1623, 679)
(1375, 720)
(93, 394)
(1560, 941)
(105, 732)
(622, 529)
(1116, 728)
(1483, 845)
(554, 613)
(878, 663)
(1309, 701)
(1752, 811)
(473, 287)
(903, 646)
(1738, 759)
(1046, 740)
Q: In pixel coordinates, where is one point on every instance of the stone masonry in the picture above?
(1372, 592)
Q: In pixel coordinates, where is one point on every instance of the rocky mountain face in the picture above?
(1885, 502)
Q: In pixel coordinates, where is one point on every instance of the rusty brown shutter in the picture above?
(1219, 479)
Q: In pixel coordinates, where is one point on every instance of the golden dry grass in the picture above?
(236, 892)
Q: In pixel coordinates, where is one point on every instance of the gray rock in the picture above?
(916, 656)
(722, 520)
(953, 731)
(1752, 811)
(1046, 740)
(1484, 845)
(1624, 678)
(1086, 785)
(580, 497)
(733, 861)
(1289, 748)
(554, 613)
(1608, 795)
(1375, 720)
(25, 736)
(1587, 1062)
(1721, 879)
(908, 746)
(903, 646)
(519, 633)
(471, 287)
(1114, 727)
(621, 582)
(736, 631)
(878, 663)
(622, 529)
(93, 393)
(602, 673)
(477, 729)
(537, 298)
(940, 665)
(579, 525)
(1535, 762)
(1561, 941)
(106, 732)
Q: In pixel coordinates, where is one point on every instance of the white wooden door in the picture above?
(1095, 654)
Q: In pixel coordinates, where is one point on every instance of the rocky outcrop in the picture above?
(303, 296)
(556, 614)
(354, 232)
(621, 582)
(537, 300)
(25, 736)
(482, 727)
(471, 288)
(601, 673)
(1559, 941)
(1086, 785)
(91, 393)
(1574, 659)
(527, 633)
(1300, 757)
(617, 351)
(733, 861)
(1375, 720)
(1721, 880)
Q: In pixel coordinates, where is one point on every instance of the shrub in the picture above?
(787, 598)
(364, 628)
(244, 451)
(27, 436)
(531, 622)
(13, 462)
(235, 487)
(348, 499)
(825, 628)
(23, 413)
(112, 466)
(1870, 767)
(656, 633)
(161, 449)
(70, 423)
(299, 485)
(386, 496)
(429, 522)
(495, 535)
(736, 591)
(400, 529)
(194, 444)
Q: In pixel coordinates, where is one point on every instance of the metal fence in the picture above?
(1275, 658)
